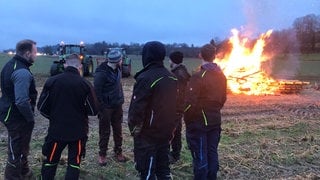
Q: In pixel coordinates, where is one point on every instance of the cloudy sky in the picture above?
(128, 21)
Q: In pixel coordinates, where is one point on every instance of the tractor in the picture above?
(67, 49)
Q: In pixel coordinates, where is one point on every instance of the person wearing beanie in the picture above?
(181, 72)
(205, 96)
(151, 117)
(108, 88)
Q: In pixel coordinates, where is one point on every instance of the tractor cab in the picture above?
(71, 49)
(68, 49)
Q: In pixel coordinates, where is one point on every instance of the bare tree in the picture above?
(48, 50)
(307, 29)
(283, 41)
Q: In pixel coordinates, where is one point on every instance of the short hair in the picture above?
(208, 52)
(24, 45)
(176, 57)
(73, 60)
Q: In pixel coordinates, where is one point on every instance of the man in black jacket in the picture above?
(66, 100)
(108, 88)
(205, 97)
(152, 112)
(17, 104)
(181, 72)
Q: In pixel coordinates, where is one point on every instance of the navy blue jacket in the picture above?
(19, 92)
(108, 87)
(181, 72)
(206, 95)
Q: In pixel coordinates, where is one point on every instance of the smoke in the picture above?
(290, 67)
(285, 61)
(264, 15)
(258, 13)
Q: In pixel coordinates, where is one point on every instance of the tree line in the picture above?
(302, 37)
(100, 48)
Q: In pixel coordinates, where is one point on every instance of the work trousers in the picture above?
(52, 150)
(151, 159)
(19, 136)
(203, 143)
(176, 141)
(110, 118)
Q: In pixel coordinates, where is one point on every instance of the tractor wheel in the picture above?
(88, 68)
(56, 68)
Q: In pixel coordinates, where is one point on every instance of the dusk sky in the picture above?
(137, 21)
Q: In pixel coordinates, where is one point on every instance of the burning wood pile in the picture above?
(291, 86)
(277, 86)
(242, 67)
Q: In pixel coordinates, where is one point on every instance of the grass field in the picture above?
(290, 66)
(43, 63)
(263, 137)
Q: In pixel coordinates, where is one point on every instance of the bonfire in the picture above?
(243, 68)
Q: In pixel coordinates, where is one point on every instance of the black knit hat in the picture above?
(176, 57)
(208, 52)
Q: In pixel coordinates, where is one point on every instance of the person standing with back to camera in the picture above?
(181, 72)
(17, 105)
(67, 99)
(151, 116)
(205, 97)
(108, 88)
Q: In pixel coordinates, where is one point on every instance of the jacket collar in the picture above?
(104, 68)
(72, 70)
(210, 67)
(176, 66)
(23, 60)
(149, 66)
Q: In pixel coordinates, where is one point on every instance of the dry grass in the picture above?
(263, 137)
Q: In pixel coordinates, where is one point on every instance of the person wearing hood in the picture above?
(108, 88)
(206, 95)
(17, 105)
(151, 117)
(181, 72)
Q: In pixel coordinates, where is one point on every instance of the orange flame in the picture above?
(242, 67)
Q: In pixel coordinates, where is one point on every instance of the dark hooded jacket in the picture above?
(108, 87)
(153, 106)
(19, 92)
(181, 72)
(206, 95)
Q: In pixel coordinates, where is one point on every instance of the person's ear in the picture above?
(27, 54)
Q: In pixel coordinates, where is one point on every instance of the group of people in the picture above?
(161, 100)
